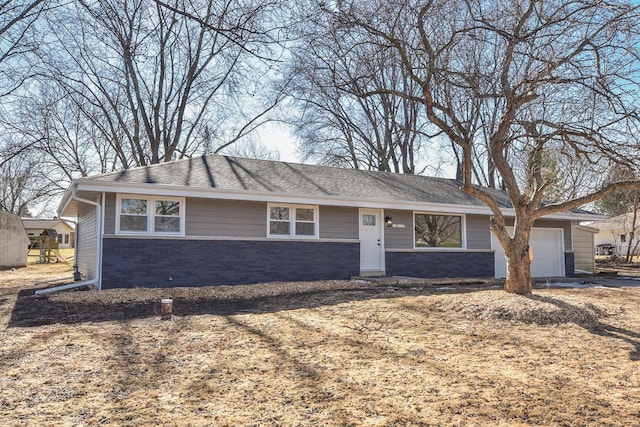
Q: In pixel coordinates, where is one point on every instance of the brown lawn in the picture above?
(322, 353)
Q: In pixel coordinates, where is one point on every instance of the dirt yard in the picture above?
(321, 353)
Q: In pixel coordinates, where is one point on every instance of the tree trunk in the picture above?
(519, 270)
(632, 233)
(519, 263)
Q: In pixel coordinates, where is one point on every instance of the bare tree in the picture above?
(24, 183)
(18, 40)
(623, 205)
(339, 126)
(634, 242)
(152, 81)
(114, 85)
(619, 202)
(252, 149)
(560, 74)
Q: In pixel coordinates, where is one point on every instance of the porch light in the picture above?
(388, 221)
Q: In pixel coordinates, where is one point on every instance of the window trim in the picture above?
(292, 221)
(151, 202)
(463, 232)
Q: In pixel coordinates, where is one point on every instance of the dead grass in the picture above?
(321, 353)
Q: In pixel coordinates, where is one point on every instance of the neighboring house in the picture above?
(65, 231)
(222, 220)
(614, 235)
(13, 241)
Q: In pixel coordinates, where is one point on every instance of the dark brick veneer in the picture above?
(440, 264)
(166, 263)
(569, 264)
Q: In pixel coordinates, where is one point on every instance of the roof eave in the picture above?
(66, 198)
(270, 196)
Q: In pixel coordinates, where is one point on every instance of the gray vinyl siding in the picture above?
(338, 222)
(245, 219)
(87, 242)
(395, 237)
(583, 250)
(110, 213)
(478, 232)
(225, 218)
(211, 218)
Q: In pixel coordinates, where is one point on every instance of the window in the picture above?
(623, 238)
(438, 231)
(133, 215)
(66, 239)
(293, 221)
(368, 220)
(167, 216)
(280, 221)
(150, 215)
(59, 238)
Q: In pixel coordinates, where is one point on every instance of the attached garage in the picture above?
(548, 253)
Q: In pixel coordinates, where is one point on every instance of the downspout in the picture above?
(99, 232)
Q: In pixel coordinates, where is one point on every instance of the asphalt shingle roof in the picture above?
(40, 223)
(623, 221)
(232, 173)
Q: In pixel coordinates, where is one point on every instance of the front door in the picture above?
(371, 240)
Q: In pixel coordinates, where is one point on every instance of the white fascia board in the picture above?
(587, 228)
(576, 216)
(66, 199)
(274, 197)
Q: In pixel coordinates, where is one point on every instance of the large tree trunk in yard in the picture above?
(519, 274)
(517, 252)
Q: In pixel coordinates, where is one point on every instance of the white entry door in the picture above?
(371, 240)
(548, 253)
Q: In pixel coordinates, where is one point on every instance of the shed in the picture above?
(14, 242)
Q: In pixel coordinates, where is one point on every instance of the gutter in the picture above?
(65, 287)
(99, 230)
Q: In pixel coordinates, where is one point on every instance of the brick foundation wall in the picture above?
(167, 263)
(440, 264)
(569, 264)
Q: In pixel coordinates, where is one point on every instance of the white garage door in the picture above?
(548, 253)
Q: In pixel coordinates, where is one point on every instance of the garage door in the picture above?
(548, 253)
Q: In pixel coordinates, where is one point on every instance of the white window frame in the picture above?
(292, 221)
(151, 214)
(463, 232)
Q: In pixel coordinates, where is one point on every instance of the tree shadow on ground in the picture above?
(594, 325)
(30, 311)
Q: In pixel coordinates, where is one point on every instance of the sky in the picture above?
(279, 137)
